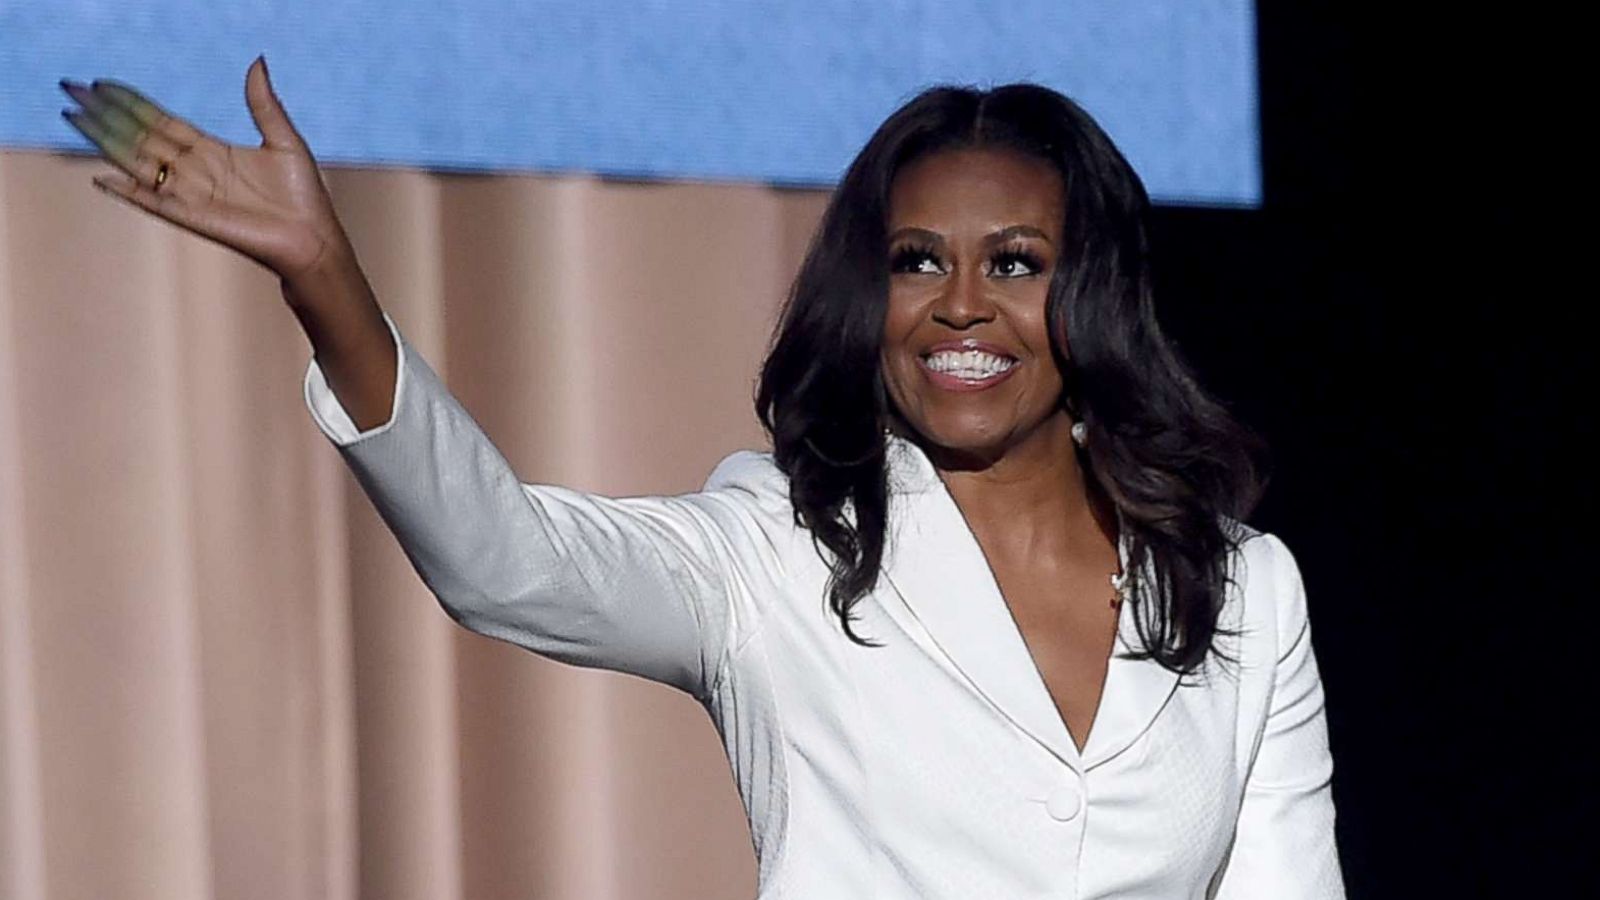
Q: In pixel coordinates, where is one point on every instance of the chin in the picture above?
(966, 435)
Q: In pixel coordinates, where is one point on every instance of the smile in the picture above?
(966, 370)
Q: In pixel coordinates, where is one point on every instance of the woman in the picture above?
(1051, 661)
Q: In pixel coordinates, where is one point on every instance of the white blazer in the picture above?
(936, 766)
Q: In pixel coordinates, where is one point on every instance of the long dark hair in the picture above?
(1180, 470)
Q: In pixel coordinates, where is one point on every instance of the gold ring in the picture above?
(162, 171)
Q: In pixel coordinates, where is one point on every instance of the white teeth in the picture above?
(969, 364)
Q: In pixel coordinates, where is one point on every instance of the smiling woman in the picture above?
(973, 237)
(1005, 225)
(975, 313)
(985, 454)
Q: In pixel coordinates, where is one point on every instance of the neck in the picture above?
(1033, 498)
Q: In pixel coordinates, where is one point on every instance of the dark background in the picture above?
(1393, 322)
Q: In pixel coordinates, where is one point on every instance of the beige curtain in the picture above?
(219, 676)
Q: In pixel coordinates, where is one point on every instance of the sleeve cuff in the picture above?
(331, 416)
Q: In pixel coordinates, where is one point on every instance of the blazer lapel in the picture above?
(933, 562)
(1135, 692)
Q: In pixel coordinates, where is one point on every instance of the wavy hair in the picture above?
(1180, 470)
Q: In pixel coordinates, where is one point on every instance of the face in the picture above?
(973, 239)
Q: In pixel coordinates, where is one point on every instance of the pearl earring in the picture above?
(1080, 433)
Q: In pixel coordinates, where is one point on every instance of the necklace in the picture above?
(1119, 584)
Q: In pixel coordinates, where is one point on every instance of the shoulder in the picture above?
(753, 471)
(748, 496)
(749, 484)
(1269, 579)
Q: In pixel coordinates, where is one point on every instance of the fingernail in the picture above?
(263, 58)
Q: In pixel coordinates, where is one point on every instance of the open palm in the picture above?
(266, 202)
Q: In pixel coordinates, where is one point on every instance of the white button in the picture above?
(1062, 804)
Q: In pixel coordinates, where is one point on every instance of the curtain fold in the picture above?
(219, 676)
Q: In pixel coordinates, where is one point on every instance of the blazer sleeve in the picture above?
(1284, 846)
(637, 585)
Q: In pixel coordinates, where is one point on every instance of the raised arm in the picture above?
(639, 585)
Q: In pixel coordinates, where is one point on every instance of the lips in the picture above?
(969, 344)
(966, 366)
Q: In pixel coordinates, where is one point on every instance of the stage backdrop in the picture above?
(781, 91)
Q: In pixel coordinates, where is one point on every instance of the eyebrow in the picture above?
(1004, 234)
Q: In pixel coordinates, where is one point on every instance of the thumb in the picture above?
(270, 117)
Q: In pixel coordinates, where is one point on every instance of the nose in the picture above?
(963, 302)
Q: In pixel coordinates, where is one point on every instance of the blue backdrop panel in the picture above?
(779, 91)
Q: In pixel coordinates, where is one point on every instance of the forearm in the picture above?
(636, 585)
(351, 343)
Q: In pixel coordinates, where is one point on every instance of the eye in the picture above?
(1015, 263)
(917, 260)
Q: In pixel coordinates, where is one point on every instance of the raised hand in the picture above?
(267, 202)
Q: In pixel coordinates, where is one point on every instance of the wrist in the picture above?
(333, 280)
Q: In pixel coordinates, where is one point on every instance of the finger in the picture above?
(148, 113)
(118, 140)
(271, 119)
(167, 206)
(129, 136)
(117, 147)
